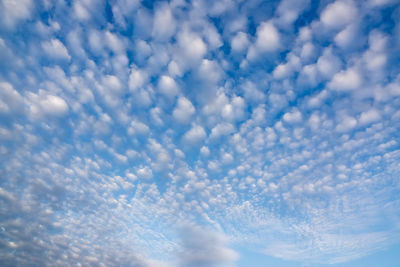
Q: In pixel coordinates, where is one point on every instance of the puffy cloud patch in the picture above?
(10, 100)
(164, 23)
(346, 80)
(267, 40)
(239, 42)
(46, 104)
(203, 247)
(56, 49)
(13, 12)
(184, 110)
(338, 14)
(168, 86)
(265, 125)
(195, 135)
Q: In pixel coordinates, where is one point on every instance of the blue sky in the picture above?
(199, 133)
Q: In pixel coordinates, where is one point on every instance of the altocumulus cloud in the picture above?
(185, 133)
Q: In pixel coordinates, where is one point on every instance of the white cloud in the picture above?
(168, 86)
(205, 151)
(369, 116)
(137, 79)
(144, 173)
(164, 23)
(346, 124)
(378, 3)
(346, 80)
(5, 134)
(13, 11)
(212, 37)
(314, 122)
(308, 51)
(122, 9)
(46, 104)
(375, 57)
(267, 37)
(195, 135)
(209, 71)
(204, 247)
(191, 49)
(284, 70)
(114, 42)
(138, 127)
(222, 129)
(252, 93)
(156, 115)
(174, 69)
(338, 14)
(347, 36)
(54, 105)
(267, 40)
(74, 42)
(235, 110)
(80, 11)
(328, 64)
(239, 42)
(227, 158)
(293, 116)
(184, 110)
(56, 49)
(10, 100)
(96, 42)
(289, 11)
(112, 84)
(232, 133)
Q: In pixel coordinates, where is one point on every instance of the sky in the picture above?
(226, 133)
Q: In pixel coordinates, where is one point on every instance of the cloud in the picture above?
(204, 247)
(369, 116)
(289, 11)
(56, 49)
(184, 110)
(267, 37)
(10, 100)
(45, 104)
(138, 127)
(54, 105)
(338, 14)
(191, 49)
(137, 79)
(328, 64)
(268, 126)
(292, 117)
(209, 72)
(144, 173)
(15, 11)
(221, 129)
(81, 11)
(267, 40)
(252, 93)
(346, 124)
(346, 80)
(168, 86)
(95, 41)
(164, 23)
(239, 42)
(347, 37)
(195, 135)
(114, 42)
(112, 83)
